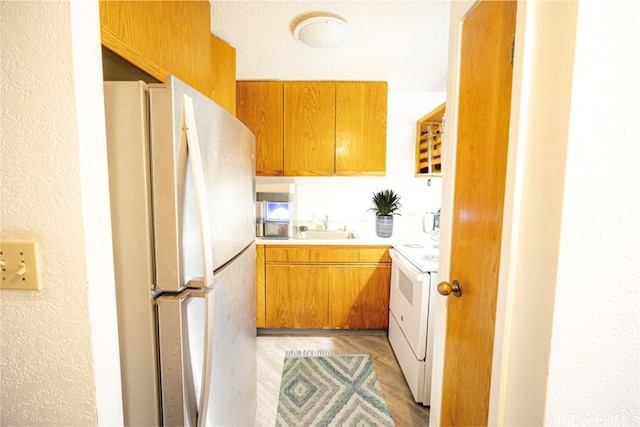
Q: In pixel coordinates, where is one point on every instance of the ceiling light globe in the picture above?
(322, 31)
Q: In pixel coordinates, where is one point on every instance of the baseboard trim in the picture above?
(320, 332)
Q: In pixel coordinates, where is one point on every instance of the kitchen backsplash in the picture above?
(346, 200)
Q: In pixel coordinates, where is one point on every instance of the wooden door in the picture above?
(361, 128)
(359, 296)
(483, 128)
(259, 105)
(309, 128)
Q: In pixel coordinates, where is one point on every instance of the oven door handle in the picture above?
(407, 268)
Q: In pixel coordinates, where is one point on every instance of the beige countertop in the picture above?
(371, 241)
(366, 237)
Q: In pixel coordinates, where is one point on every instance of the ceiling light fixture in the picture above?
(322, 31)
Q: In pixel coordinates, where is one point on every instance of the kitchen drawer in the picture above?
(327, 254)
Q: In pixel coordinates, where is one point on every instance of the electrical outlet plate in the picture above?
(19, 264)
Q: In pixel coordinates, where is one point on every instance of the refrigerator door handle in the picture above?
(193, 150)
(207, 357)
(178, 350)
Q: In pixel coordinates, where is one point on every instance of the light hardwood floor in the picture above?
(271, 351)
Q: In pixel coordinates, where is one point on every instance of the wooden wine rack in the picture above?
(429, 143)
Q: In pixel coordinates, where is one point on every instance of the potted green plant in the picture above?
(386, 203)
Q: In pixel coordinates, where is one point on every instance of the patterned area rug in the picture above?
(341, 390)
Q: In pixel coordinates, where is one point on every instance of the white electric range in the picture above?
(414, 282)
(422, 255)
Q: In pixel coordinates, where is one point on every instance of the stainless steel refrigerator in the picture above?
(181, 173)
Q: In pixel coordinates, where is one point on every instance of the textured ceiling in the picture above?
(402, 42)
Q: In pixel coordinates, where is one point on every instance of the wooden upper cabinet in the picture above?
(309, 128)
(259, 105)
(223, 74)
(316, 128)
(361, 128)
(161, 37)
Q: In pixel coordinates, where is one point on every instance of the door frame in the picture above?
(530, 116)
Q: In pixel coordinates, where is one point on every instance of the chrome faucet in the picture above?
(325, 222)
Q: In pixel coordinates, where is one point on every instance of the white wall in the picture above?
(533, 205)
(594, 368)
(346, 200)
(87, 62)
(568, 328)
(52, 170)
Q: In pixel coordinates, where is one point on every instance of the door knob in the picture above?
(454, 288)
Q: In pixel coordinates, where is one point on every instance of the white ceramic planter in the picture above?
(384, 225)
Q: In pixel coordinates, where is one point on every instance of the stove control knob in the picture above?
(454, 288)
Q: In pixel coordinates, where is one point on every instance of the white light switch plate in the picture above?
(19, 264)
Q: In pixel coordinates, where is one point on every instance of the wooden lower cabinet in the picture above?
(321, 287)
(297, 296)
(359, 297)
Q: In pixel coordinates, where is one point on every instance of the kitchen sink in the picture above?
(325, 235)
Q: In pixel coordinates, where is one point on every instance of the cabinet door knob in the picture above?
(446, 288)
